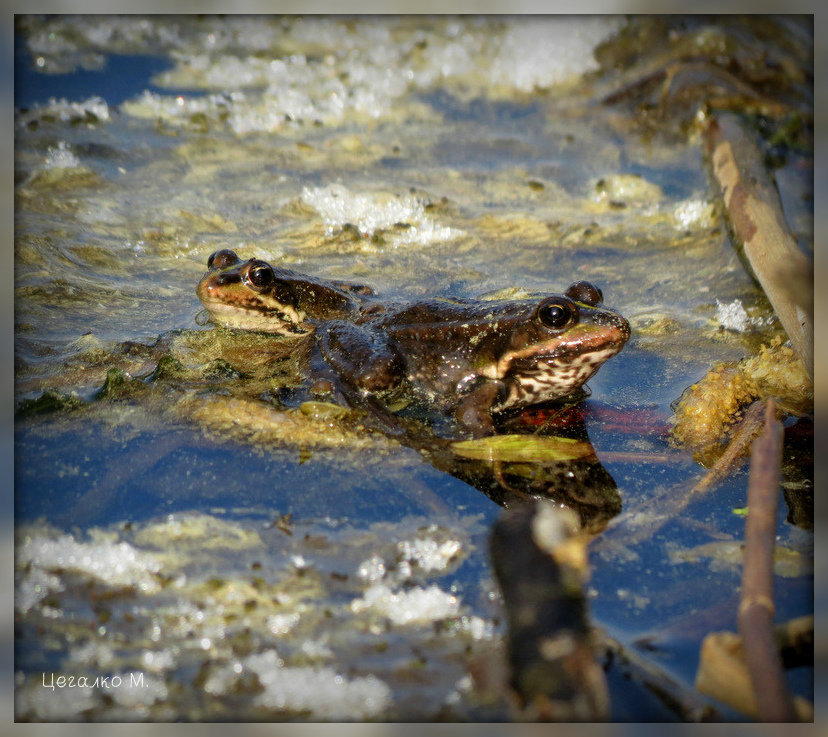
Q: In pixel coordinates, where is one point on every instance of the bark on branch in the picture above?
(754, 211)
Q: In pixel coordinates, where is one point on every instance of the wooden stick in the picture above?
(754, 211)
(686, 703)
(666, 506)
(748, 429)
(756, 609)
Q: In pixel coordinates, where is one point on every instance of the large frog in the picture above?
(471, 357)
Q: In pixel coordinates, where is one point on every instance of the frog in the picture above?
(470, 358)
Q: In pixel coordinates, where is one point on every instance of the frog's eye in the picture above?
(259, 275)
(586, 292)
(557, 313)
(222, 259)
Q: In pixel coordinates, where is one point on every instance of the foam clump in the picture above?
(331, 71)
(375, 212)
(180, 110)
(115, 564)
(135, 690)
(293, 90)
(281, 624)
(535, 55)
(416, 606)
(33, 701)
(93, 109)
(35, 587)
(693, 213)
(422, 554)
(732, 315)
(61, 157)
(323, 692)
(428, 554)
(372, 569)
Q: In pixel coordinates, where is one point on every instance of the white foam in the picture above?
(323, 692)
(317, 649)
(179, 110)
(732, 315)
(61, 157)
(351, 69)
(33, 587)
(116, 564)
(374, 212)
(372, 569)
(428, 554)
(477, 627)
(281, 624)
(693, 214)
(136, 690)
(416, 606)
(51, 705)
(67, 111)
(543, 53)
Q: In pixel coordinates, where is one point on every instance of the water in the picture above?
(273, 138)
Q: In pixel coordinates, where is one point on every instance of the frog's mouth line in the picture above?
(261, 319)
(560, 366)
(238, 309)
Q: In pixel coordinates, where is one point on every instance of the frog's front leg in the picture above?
(361, 289)
(474, 411)
(362, 357)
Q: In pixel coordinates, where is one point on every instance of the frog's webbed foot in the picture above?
(474, 412)
(362, 357)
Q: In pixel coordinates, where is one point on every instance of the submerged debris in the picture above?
(706, 412)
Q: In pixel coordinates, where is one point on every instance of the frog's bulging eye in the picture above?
(585, 292)
(557, 313)
(222, 259)
(259, 275)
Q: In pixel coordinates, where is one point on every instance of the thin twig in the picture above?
(747, 430)
(756, 609)
(642, 522)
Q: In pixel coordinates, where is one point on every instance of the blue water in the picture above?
(122, 76)
(87, 475)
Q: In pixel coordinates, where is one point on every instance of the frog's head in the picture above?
(252, 295)
(559, 345)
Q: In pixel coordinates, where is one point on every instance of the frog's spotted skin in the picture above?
(554, 378)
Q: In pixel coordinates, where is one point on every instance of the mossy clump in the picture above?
(707, 411)
(49, 401)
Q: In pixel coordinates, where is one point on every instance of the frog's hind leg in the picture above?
(362, 357)
(366, 367)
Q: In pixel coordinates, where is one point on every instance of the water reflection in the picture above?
(240, 387)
